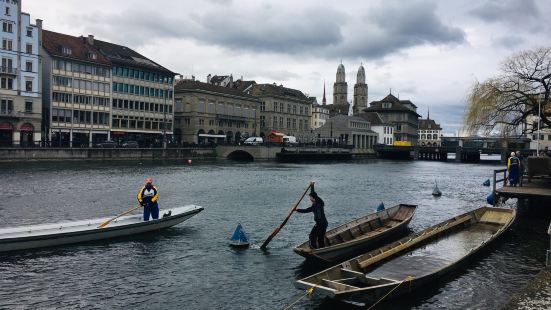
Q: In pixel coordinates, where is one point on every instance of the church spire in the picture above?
(428, 113)
(324, 101)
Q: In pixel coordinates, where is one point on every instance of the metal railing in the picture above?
(8, 70)
(504, 180)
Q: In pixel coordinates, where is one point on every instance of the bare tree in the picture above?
(504, 102)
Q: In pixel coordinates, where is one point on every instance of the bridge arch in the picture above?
(240, 155)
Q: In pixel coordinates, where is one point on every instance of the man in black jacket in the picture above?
(317, 235)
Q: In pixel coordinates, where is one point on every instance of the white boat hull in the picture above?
(49, 235)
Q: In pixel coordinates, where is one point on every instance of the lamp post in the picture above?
(539, 122)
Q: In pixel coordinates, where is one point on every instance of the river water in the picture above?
(190, 266)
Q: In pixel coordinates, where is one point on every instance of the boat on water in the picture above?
(361, 234)
(48, 235)
(411, 262)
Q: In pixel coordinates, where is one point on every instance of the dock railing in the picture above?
(548, 260)
(504, 180)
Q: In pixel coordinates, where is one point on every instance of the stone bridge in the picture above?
(247, 152)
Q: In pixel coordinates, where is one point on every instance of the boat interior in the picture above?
(367, 226)
(417, 255)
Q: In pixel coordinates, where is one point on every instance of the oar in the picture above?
(116, 217)
(276, 231)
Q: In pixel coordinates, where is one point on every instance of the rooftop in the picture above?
(77, 48)
(192, 85)
(275, 90)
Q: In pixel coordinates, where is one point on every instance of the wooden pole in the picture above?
(276, 231)
(116, 217)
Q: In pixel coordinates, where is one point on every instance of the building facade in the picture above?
(20, 77)
(283, 109)
(430, 133)
(206, 113)
(320, 112)
(384, 130)
(340, 104)
(346, 130)
(77, 91)
(360, 92)
(142, 96)
(538, 138)
(402, 114)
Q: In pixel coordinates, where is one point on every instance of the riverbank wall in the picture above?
(93, 154)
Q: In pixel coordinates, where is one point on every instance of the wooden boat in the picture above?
(361, 234)
(411, 262)
(47, 235)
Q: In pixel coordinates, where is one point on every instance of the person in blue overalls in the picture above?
(147, 197)
(513, 165)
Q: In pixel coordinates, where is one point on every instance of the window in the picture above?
(7, 11)
(66, 50)
(6, 106)
(29, 32)
(29, 66)
(262, 106)
(92, 55)
(7, 27)
(387, 105)
(29, 49)
(29, 85)
(7, 44)
(6, 83)
(28, 107)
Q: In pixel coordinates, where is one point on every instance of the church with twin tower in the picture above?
(340, 93)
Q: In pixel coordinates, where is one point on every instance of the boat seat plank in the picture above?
(355, 231)
(338, 286)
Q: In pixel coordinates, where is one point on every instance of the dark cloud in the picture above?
(317, 30)
(510, 42)
(513, 12)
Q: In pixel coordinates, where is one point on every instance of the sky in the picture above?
(428, 51)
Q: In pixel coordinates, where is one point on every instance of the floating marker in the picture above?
(239, 238)
(189, 161)
(436, 191)
(486, 183)
(380, 207)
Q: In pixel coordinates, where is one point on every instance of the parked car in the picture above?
(107, 145)
(289, 140)
(131, 145)
(254, 141)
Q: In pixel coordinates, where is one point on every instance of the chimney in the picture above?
(39, 23)
(90, 40)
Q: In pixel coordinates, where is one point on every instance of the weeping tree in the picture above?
(507, 102)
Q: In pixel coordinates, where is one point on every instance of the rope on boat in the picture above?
(309, 292)
(408, 278)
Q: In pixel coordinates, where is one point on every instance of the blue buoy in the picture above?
(239, 238)
(486, 183)
(491, 198)
(380, 207)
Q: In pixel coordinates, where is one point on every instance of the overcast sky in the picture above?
(430, 52)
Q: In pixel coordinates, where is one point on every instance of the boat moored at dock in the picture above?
(361, 234)
(48, 235)
(411, 262)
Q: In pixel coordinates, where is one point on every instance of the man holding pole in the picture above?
(317, 235)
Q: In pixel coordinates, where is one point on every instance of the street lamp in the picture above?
(539, 122)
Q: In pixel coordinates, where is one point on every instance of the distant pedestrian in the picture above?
(513, 167)
(147, 197)
(317, 235)
(522, 164)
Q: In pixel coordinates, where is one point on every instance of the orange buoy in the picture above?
(189, 162)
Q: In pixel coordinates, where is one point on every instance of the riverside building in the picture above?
(20, 75)
(77, 91)
(207, 113)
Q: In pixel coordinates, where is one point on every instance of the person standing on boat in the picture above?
(317, 235)
(147, 197)
(513, 165)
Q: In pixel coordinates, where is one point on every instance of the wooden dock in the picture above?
(537, 188)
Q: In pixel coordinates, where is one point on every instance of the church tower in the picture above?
(340, 88)
(360, 92)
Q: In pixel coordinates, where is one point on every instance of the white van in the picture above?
(254, 141)
(290, 140)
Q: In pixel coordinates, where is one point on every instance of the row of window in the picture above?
(80, 84)
(429, 137)
(80, 117)
(81, 68)
(222, 108)
(388, 130)
(278, 123)
(141, 90)
(359, 125)
(291, 108)
(140, 124)
(7, 83)
(541, 137)
(83, 99)
(7, 44)
(6, 106)
(141, 106)
(221, 123)
(387, 140)
(428, 131)
(142, 75)
(320, 115)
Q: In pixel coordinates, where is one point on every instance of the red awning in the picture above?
(118, 133)
(26, 127)
(6, 126)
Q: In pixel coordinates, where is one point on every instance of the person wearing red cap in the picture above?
(147, 197)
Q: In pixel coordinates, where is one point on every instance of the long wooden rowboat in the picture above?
(411, 262)
(47, 235)
(361, 234)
